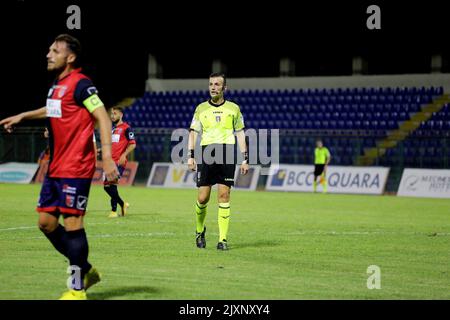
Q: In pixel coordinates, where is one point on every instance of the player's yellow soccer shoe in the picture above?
(124, 208)
(113, 214)
(91, 278)
(74, 295)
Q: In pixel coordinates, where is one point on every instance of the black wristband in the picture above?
(245, 155)
(191, 153)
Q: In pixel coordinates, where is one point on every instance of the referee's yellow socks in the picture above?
(224, 220)
(200, 210)
(324, 184)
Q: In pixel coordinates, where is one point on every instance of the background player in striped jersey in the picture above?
(123, 143)
(72, 109)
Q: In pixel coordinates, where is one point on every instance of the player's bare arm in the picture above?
(9, 122)
(240, 136)
(128, 150)
(192, 165)
(104, 123)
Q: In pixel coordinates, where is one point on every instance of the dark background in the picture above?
(185, 36)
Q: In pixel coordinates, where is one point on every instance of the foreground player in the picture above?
(72, 109)
(322, 158)
(217, 120)
(123, 143)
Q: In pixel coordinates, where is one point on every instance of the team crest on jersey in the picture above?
(217, 118)
(70, 201)
(62, 91)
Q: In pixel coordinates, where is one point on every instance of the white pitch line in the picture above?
(18, 228)
(115, 222)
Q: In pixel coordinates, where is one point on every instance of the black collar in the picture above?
(216, 105)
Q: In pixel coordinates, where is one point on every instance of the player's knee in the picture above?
(45, 226)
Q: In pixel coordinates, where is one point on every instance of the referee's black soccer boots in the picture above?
(200, 239)
(222, 245)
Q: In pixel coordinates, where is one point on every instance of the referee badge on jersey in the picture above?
(217, 118)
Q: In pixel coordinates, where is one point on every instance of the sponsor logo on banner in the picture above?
(17, 172)
(429, 183)
(365, 180)
(169, 175)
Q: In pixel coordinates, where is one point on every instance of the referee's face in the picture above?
(216, 87)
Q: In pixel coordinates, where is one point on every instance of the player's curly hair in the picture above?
(73, 44)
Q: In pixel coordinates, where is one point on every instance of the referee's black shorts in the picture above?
(220, 171)
(318, 169)
(210, 174)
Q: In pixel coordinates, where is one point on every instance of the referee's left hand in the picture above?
(244, 168)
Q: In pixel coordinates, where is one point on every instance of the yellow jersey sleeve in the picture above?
(196, 124)
(239, 121)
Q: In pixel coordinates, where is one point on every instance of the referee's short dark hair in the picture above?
(73, 44)
(221, 75)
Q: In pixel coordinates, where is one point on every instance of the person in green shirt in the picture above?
(322, 158)
(218, 120)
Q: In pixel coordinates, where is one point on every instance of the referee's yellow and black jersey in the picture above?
(217, 123)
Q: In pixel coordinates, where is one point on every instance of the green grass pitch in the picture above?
(282, 246)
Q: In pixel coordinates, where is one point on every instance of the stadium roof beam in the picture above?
(436, 63)
(359, 66)
(287, 67)
(218, 66)
(154, 69)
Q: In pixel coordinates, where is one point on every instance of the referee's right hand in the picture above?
(192, 165)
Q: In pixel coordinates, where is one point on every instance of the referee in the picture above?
(322, 158)
(217, 120)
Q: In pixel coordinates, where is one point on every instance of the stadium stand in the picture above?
(358, 121)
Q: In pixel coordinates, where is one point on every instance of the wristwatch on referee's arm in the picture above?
(245, 155)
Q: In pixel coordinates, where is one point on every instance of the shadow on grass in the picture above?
(124, 292)
(255, 244)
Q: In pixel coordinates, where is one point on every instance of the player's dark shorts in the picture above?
(318, 169)
(210, 174)
(64, 195)
(121, 170)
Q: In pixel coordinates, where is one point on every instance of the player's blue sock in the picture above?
(77, 252)
(58, 239)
